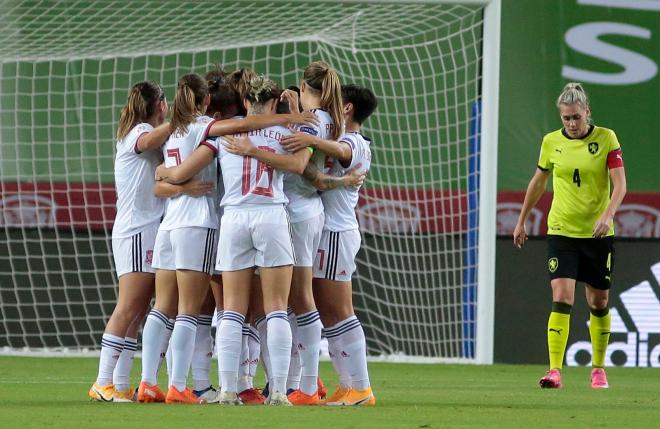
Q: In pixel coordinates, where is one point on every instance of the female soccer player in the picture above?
(580, 227)
(181, 262)
(340, 242)
(134, 232)
(320, 92)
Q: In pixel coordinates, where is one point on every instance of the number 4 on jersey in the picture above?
(576, 177)
(262, 167)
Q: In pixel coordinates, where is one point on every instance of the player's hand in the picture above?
(294, 142)
(161, 171)
(197, 188)
(304, 118)
(291, 97)
(520, 235)
(354, 176)
(602, 225)
(238, 145)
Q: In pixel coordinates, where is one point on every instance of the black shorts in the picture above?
(587, 260)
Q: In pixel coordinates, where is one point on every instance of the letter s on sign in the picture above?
(584, 39)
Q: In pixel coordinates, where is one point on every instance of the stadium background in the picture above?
(528, 87)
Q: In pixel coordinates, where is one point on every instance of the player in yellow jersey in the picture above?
(582, 158)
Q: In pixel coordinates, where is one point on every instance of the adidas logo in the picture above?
(343, 273)
(642, 306)
(300, 347)
(344, 354)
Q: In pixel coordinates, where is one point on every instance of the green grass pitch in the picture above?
(52, 393)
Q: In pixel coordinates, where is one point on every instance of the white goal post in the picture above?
(424, 289)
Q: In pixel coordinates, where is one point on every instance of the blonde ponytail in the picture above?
(573, 93)
(324, 79)
(190, 93)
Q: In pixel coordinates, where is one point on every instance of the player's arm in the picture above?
(618, 176)
(200, 158)
(257, 122)
(535, 190)
(340, 150)
(194, 188)
(324, 182)
(154, 138)
(295, 162)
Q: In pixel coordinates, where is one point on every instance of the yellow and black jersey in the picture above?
(580, 178)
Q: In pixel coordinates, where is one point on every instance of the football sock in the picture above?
(354, 351)
(244, 362)
(183, 347)
(309, 345)
(255, 349)
(279, 349)
(152, 338)
(166, 350)
(230, 340)
(295, 365)
(262, 326)
(599, 330)
(111, 348)
(334, 350)
(203, 353)
(122, 373)
(218, 320)
(558, 327)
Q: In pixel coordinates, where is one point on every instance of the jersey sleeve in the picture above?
(352, 142)
(613, 142)
(205, 140)
(544, 157)
(138, 131)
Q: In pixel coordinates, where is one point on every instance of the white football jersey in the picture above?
(137, 206)
(185, 210)
(304, 200)
(249, 181)
(340, 203)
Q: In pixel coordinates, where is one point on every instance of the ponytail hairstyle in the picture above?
(223, 96)
(574, 93)
(323, 79)
(239, 80)
(143, 99)
(261, 90)
(188, 101)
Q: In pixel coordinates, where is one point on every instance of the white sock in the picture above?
(166, 351)
(295, 366)
(334, 350)
(279, 349)
(255, 350)
(309, 346)
(354, 351)
(203, 353)
(183, 347)
(111, 348)
(230, 339)
(218, 319)
(121, 377)
(244, 362)
(152, 338)
(262, 326)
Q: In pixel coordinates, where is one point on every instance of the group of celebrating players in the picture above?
(266, 179)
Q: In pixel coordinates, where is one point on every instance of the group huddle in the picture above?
(242, 205)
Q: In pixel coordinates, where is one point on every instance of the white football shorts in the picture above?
(335, 258)
(254, 237)
(135, 254)
(306, 236)
(189, 248)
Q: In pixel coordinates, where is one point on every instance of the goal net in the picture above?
(66, 67)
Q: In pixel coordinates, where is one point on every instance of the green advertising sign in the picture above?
(612, 47)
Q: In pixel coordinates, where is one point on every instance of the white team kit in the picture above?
(255, 228)
(305, 207)
(138, 210)
(340, 241)
(186, 237)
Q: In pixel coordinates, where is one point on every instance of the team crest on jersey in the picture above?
(593, 148)
(553, 264)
